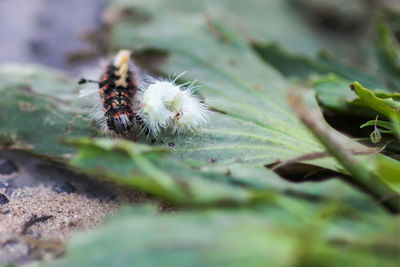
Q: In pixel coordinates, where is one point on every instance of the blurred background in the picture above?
(49, 32)
(65, 33)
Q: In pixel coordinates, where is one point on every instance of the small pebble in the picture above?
(65, 188)
(4, 211)
(3, 184)
(3, 199)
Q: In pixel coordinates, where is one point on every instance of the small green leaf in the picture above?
(388, 126)
(387, 107)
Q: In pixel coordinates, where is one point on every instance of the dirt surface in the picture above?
(37, 215)
(43, 201)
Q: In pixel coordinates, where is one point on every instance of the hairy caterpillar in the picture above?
(111, 103)
(122, 104)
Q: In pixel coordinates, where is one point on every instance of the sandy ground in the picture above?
(35, 215)
(42, 204)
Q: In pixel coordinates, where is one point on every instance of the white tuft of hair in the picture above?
(163, 104)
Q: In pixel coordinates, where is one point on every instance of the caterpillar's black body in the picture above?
(118, 100)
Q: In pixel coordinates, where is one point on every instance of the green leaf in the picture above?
(389, 170)
(388, 126)
(360, 172)
(252, 125)
(388, 52)
(299, 66)
(248, 19)
(152, 170)
(146, 168)
(333, 93)
(271, 236)
(38, 107)
(387, 107)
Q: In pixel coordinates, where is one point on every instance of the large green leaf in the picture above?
(253, 125)
(276, 236)
(151, 170)
(143, 167)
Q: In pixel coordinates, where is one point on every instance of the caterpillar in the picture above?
(124, 101)
(111, 104)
